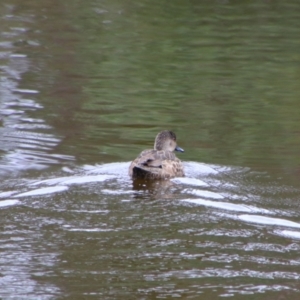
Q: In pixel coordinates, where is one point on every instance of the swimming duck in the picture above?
(160, 162)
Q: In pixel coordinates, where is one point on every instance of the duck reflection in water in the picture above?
(159, 163)
(148, 189)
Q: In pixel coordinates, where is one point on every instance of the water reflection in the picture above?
(85, 86)
(155, 189)
(25, 141)
(197, 228)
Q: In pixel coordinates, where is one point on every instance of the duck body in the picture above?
(160, 162)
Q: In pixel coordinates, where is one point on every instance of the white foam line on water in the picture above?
(26, 91)
(112, 192)
(268, 221)
(8, 202)
(288, 233)
(7, 194)
(227, 206)
(17, 55)
(205, 194)
(111, 168)
(189, 181)
(90, 229)
(201, 168)
(43, 191)
(89, 211)
(75, 180)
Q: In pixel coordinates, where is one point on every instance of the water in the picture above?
(85, 86)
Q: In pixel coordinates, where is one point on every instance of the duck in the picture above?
(158, 163)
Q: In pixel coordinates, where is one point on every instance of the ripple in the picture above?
(227, 205)
(23, 159)
(75, 180)
(189, 181)
(268, 221)
(90, 229)
(26, 91)
(194, 169)
(226, 273)
(119, 168)
(288, 233)
(16, 55)
(8, 202)
(205, 194)
(6, 194)
(25, 103)
(90, 211)
(43, 191)
(116, 192)
(24, 142)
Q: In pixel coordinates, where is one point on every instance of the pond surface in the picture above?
(85, 86)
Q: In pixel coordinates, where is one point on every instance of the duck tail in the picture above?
(141, 173)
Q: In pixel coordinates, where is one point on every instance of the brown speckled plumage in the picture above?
(160, 162)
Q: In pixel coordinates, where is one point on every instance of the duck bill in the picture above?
(179, 149)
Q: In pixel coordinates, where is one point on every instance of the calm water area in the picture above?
(86, 85)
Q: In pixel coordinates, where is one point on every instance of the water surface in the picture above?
(85, 86)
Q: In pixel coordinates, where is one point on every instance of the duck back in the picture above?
(156, 164)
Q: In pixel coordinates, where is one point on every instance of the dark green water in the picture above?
(86, 85)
